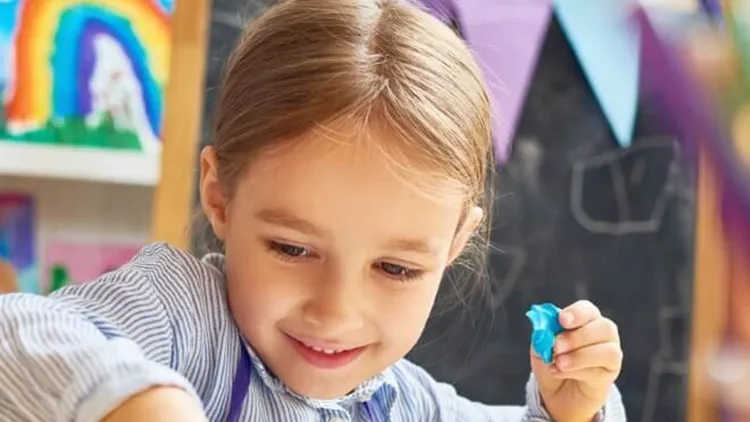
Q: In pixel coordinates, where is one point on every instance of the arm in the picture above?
(85, 352)
(442, 403)
(160, 404)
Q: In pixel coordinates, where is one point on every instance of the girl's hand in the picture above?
(588, 359)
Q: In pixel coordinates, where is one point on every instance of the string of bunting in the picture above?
(506, 36)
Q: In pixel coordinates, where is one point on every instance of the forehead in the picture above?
(337, 176)
(366, 155)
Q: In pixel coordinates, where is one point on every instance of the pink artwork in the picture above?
(74, 263)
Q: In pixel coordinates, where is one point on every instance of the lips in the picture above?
(323, 356)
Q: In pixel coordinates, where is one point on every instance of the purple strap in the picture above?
(371, 415)
(241, 385)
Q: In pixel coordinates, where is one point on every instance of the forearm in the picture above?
(160, 404)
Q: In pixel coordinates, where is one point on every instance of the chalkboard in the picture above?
(575, 217)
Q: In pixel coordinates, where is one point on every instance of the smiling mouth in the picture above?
(325, 357)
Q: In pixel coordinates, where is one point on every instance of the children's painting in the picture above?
(77, 262)
(84, 73)
(18, 244)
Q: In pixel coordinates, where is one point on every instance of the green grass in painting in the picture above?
(74, 132)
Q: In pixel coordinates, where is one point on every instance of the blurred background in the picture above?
(602, 194)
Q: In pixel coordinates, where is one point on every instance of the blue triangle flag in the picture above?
(608, 50)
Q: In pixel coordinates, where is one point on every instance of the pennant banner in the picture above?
(505, 37)
(608, 51)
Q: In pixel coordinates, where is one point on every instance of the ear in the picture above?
(213, 200)
(470, 224)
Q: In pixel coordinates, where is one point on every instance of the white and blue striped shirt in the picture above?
(163, 319)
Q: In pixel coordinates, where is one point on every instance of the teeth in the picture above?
(326, 351)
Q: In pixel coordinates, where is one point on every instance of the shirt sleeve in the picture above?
(441, 402)
(80, 354)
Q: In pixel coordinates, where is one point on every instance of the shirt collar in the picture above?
(384, 383)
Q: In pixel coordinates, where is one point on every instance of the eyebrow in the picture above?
(284, 218)
(412, 245)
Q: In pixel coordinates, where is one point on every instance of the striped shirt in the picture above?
(162, 319)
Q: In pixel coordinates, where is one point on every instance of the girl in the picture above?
(348, 171)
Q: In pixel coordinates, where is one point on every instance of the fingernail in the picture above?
(562, 346)
(566, 318)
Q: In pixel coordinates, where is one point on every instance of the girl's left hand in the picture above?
(588, 359)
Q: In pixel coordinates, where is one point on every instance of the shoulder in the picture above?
(191, 290)
(178, 276)
(160, 285)
(164, 274)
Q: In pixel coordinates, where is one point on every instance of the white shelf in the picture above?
(96, 165)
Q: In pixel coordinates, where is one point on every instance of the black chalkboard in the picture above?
(576, 217)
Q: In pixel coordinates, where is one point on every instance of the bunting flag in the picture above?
(608, 51)
(505, 36)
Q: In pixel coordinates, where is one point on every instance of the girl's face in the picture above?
(333, 262)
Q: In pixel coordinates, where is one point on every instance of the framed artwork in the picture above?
(84, 73)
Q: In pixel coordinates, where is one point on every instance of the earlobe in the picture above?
(212, 196)
(471, 222)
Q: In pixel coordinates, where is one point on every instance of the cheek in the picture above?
(404, 319)
(259, 292)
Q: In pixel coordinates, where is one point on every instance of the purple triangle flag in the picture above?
(505, 37)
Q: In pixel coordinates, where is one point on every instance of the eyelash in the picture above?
(286, 251)
(404, 274)
(397, 272)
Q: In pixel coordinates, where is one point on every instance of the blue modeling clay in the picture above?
(545, 324)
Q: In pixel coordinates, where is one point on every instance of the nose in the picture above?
(335, 305)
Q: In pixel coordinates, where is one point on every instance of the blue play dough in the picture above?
(545, 324)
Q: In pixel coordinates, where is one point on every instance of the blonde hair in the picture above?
(384, 63)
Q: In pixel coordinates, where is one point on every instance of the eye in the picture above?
(288, 251)
(398, 272)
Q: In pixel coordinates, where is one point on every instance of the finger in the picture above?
(591, 376)
(601, 330)
(607, 356)
(579, 314)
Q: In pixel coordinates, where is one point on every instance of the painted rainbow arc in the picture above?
(53, 55)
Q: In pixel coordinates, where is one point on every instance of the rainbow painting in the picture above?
(18, 239)
(84, 73)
